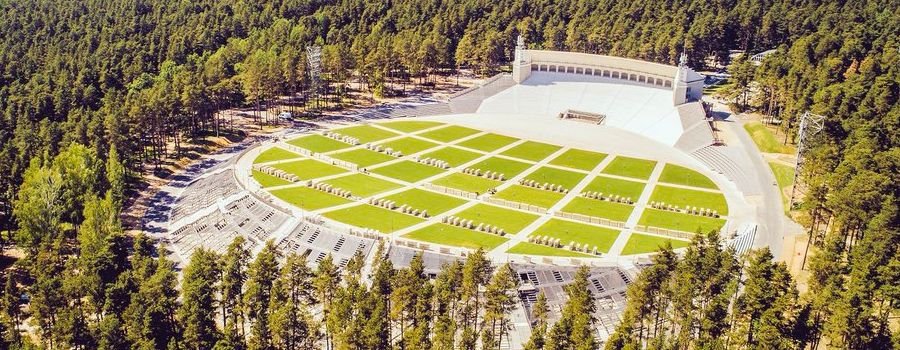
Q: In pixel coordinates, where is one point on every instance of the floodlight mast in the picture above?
(314, 60)
(810, 125)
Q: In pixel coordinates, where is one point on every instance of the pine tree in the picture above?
(198, 293)
(539, 313)
(260, 280)
(500, 299)
(293, 327)
(234, 274)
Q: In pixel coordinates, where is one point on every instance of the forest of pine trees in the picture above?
(92, 92)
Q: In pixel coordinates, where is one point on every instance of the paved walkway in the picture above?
(639, 206)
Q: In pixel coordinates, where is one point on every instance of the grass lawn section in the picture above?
(363, 157)
(410, 125)
(579, 159)
(409, 145)
(510, 220)
(467, 182)
(454, 156)
(679, 221)
(683, 197)
(630, 167)
(530, 195)
(309, 169)
(526, 248)
(370, 216)
(408, 171)
(609, 185)
(273, 154)
(450, 133)
(639, 244)
(362, 185)
(319, 144)
(488, 142)
(567, 179)
(568, 231)
(599, 209)
(456, 236)
(308, 199)
(679, 175)
(434, 203)
(531, 150)
(784, 175)
(765, 139)
(507, 167)
(266, 180)
(366, 133)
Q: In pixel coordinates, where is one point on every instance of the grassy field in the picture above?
(409, 145)
(362, 157)
(308, 199)
(526, 248)
(510, 220)
(679, 175)
(684, 197)
(366, 133)
(456, 236)
(310, 169)
(488, 142)
(370, 216)
(434, 203)
(449, 133)
(504, 166)
(599, 209)
(531, 150)
(318, 143)
(410, 125)
(568, 231)
(362, 185)
(784, 175)
(454, 156)
(567, 179)
(614, 186)
(579, 159)
(679, 221)
(640, 243)
(266, 180)
(408, 171)
(530, 195)
(630, 167)
(273, 154)
(467, 183)
(765, 139)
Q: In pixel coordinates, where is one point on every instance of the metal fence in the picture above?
(590, 219)
(517, 205)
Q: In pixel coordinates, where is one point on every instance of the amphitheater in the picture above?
(573, 159)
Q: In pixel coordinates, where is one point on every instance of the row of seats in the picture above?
(316, 242)
(256, 217)
(214, 232)
(719, 159)
(468, 101)
(202, 193)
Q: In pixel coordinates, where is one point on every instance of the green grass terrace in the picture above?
(531, 150)
(318, 143)
(366, 133)
(408, 171)
(579, 159)
(308, 199)
(275, 154)
(488, 142)
(512, 221)
(363, 185)
(641, 244)
(434, 203)
(307, 169)
(377, 218)
(630, 167)
(456, 236)
(468, 183)
(570, 231)
(408, 126)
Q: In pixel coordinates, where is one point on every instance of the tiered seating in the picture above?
(695, 137)
(316, 242)
(743, 242)
(214, 232)
(720, 159)
(402, 256)
(256, 219)
(418, 110)
(202, 193)
(468, 100)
